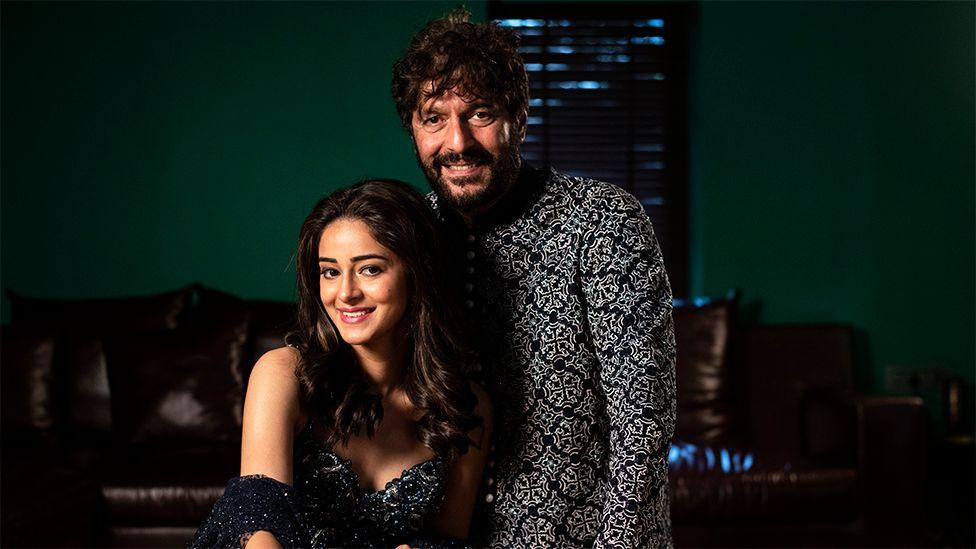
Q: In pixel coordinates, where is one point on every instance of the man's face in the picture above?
(468, 149)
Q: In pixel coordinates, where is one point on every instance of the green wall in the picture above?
(833, 174)
(149, 145)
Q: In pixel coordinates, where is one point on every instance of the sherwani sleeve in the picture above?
(628, 300)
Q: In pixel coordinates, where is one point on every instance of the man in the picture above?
(566, 289)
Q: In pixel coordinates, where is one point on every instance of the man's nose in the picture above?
(459, 136)
(349, 291)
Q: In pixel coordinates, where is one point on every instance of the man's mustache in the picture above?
(473, 156)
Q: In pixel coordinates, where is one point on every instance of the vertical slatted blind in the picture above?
(603, 98)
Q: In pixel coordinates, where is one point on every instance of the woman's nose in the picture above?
(349, 290)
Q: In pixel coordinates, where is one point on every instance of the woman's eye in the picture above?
(371, 270)
(329, 273)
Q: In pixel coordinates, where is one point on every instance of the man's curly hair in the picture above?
(475, 60)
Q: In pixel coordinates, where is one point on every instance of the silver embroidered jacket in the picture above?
(570, 309)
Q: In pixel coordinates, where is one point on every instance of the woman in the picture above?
(361, 432)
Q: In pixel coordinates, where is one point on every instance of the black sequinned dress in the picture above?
(327, 507)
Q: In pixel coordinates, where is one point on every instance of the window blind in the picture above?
(608, 102)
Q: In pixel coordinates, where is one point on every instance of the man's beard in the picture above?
(501, 173)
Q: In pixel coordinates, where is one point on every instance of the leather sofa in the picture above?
(121, 425)
(133, 406)
(774, 446)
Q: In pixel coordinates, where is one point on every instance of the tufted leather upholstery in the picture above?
(706, 396)
(138, 404)
(28, 392)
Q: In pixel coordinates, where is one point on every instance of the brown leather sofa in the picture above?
(774, 447)
(121, 422)
(121, 418)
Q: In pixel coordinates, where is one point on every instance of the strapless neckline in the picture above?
(390, 484)
(346, 463)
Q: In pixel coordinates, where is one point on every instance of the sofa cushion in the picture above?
(270, 320)
(27, 403)
(791, 368)
(154, 486)
(178, 386)
(87, 391)
(706, 404)
(79, 326)
(765, 495)
(101, 316)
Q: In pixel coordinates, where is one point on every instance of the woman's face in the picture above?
(363, 285)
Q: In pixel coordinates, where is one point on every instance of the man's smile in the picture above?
(461, 170)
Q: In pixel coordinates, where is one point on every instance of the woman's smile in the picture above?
(354, 315)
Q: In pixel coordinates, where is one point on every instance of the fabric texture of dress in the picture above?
(327, 507)
(570, 310)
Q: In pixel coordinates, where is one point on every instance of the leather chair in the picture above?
(775, 448)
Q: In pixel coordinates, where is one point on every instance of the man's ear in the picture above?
(409, 128)
(520, 121)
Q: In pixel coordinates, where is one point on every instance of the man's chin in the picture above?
(465, 196)
(461, 188)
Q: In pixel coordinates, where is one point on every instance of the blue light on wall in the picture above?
(684, 456)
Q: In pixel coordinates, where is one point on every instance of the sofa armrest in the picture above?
(891, 461)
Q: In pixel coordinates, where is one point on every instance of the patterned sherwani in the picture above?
(570, 310)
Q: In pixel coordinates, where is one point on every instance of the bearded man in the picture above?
(566, 296)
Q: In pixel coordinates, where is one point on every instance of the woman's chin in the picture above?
(356, 341)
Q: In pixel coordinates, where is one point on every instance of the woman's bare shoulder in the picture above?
(282, 358)
(276, 366)
(274, 385)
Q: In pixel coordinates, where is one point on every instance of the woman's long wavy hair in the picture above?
(333, 388)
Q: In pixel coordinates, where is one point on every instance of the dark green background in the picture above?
(146, 146)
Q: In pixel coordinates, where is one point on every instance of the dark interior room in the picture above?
(808, 168)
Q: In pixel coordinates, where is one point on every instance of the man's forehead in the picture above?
(431, 97)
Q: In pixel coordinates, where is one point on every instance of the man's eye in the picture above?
(431, 120)
(482, 117)
(329, 272)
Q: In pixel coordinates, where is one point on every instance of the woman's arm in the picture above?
(454, 518)
(272, 415)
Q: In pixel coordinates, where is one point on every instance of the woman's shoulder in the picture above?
(280, 362)
(274, 382)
